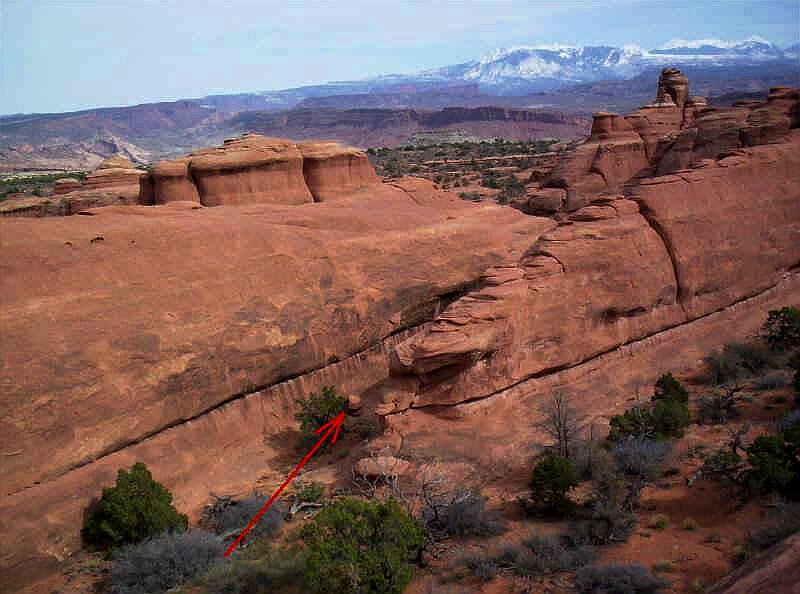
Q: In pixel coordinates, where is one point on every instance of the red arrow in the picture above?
(330, 426)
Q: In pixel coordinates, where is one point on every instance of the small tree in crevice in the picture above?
(315, 411)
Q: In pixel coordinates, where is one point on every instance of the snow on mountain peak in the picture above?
(718, 43)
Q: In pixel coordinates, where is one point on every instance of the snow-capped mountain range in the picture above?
(544, 67)
(549, 65)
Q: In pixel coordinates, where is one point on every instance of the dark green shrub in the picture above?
(668, 388)
(163, 562)
(775, 463)
(315, 411)
(750, 357)
(553, 477)
(670, 418)
(360, 547)
(633, 422)
(235, 517)
(618, 579)
(782, 328)
(722, 367)
(135, 508)
(461, 514)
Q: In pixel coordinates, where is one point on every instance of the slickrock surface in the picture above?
(120, 325)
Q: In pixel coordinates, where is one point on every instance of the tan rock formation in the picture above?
(332, 170)
(156, 316)
(676, 249)
(256, 169)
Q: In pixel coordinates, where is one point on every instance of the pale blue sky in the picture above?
(73, 54)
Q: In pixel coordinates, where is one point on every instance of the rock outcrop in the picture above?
(255, 169)
(672, 249)
(168, 334)
(675, 132)
(182, 336)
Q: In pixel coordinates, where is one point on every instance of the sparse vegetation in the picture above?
(237, 515)
(658, 522)
(538, 555)
(639, 456)
(461, 513)
(665, 566)
(135, 508)
(164, 561)
(562, 423)
(690, 524)
(618, 579)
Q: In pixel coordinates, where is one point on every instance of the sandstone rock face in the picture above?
(256, 169)
(171, 182)
(673, 133)
(676, 248)
(332, 171)
(158, 315)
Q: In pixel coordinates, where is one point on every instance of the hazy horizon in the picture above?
(70, 56)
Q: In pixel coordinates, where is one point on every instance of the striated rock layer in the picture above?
(180, 335)
(118, 326)
(256, 169)
(673, 249)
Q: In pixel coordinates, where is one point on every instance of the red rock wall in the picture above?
(609, 275)
(174, 311)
